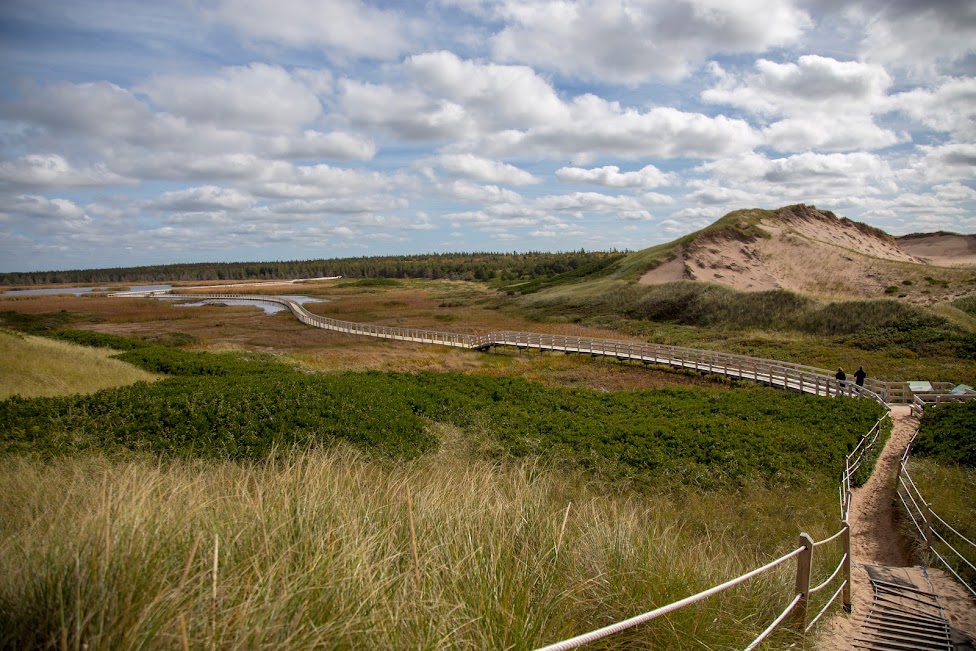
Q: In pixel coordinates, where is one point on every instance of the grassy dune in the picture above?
(37, 366)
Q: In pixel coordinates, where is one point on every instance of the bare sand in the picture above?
(814, 253)
(875, 541)
(943, 249)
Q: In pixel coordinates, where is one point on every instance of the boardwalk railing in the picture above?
(784, 375)
(795, 377)
(936, 532)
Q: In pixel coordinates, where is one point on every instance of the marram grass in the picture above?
(330, 550)
(36, 366)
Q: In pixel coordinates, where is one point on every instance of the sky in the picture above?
(136, 132)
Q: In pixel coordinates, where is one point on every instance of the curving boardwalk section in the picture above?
(783, 375)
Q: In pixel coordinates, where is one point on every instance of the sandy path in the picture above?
(875, 541)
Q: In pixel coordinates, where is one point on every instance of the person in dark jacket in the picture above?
(859, 376)
(841, 380)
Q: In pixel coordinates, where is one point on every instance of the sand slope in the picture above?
(812, 252)
(943, 249)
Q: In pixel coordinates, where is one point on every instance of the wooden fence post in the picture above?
(848, 605)
(804, 565)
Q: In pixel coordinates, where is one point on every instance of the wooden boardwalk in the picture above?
(783, 375)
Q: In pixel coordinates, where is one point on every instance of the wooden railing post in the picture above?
(804, 565)
(848, 605)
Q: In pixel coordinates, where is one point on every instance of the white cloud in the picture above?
(283, 180)
(313, 144)
(476, 193)
(341, 27)
(611, 176)
(407, 113)
(580, 202)
(828, 104)
(200, 199)
(950, 107)
(256, 97)
(635, 41)
(942, 163)
(52, 171)
(812, 83)
(598, 127)
(916, 36)
(500, 95)
(42, 207)
(830, 133)
(342, 205)
(484, 169)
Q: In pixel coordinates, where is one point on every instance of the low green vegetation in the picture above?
(894, 338)
(943, 466)
(948, 434)
(402, 511)
(223, 406)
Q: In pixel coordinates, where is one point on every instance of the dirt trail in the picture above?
(875, 541)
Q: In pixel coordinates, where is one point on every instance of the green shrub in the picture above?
(228, 407)
(99, 340)
(948, 432)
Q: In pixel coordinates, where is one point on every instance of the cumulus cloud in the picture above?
(203, 198)
(915, 35)
(822, 179)
(942, 163)
(635, 41)
(598, 127)
(812, 83)
(44, 208)
(826, 104)
(949, 107)
(501, 95)
(257, 97)
(477, 193)
(345, 28)
(52, 171)
(311, 144)
(611, 176)
(406, 113)
(484, 169)
(830, 133)
(341, 205)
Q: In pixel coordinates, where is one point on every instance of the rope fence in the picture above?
(928, 524)
(796, 377)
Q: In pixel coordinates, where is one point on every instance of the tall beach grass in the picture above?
(37, 366)
(328, 549)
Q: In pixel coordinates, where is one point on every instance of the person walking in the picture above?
(841, 380)
(859, 376)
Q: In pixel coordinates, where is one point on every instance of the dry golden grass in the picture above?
(330, 550)
(35, 366)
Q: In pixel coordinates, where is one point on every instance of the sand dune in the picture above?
(814, 252)
(943, 249)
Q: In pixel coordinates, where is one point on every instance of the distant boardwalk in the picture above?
(783, 375)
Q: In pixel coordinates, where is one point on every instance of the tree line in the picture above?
(504, 267)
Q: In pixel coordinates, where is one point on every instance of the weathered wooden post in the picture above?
(848, 605)
(804, 565)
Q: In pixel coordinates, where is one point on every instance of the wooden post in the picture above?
(848, 605)
(804, 564)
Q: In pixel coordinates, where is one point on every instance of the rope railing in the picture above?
(805, 379)
(926, 521)
(600, 633)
